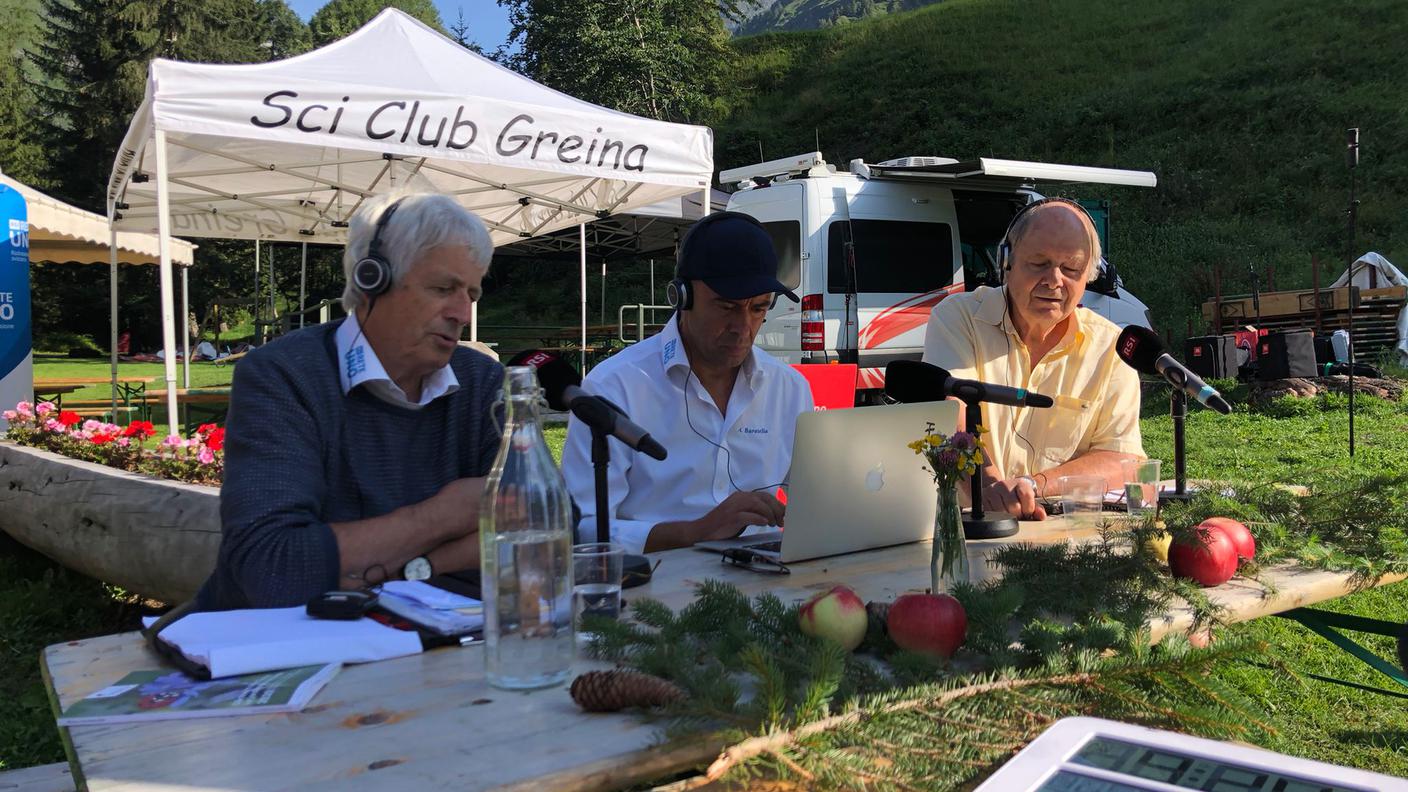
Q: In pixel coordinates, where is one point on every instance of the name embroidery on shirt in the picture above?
(753, 430)
(356, 359)
(669, 352)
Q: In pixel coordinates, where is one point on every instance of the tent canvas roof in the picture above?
(287, 150)
(64, 233)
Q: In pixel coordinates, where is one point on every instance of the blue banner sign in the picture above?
(16, 339)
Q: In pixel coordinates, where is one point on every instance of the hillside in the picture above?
(1239, 108)
(782, 15)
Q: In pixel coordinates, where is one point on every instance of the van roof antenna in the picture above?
(760, 150)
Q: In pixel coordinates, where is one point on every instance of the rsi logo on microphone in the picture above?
(1128, 346)
(536, 360)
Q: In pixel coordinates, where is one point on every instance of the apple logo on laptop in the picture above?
(875, 479)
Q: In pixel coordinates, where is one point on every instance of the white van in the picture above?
(872, 250)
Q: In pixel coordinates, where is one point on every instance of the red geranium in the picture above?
(101, 439)
(205, 429)
(69, 418)
(216, 439)
(139, 429)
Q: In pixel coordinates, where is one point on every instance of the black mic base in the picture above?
(992, 525)
(635, 571)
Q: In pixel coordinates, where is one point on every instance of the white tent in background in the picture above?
(65, 234)
(288, 150)
(1373, 271)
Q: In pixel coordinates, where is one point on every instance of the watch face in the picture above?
(416, 569)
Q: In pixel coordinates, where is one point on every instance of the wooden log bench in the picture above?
(54, 777)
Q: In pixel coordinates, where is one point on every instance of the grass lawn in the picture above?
(42, 604)
(204, 374)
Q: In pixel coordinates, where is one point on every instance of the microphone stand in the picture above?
(635, 569)
(979, 525)
(1178, 410)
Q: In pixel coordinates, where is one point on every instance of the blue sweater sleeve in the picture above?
(276, 549)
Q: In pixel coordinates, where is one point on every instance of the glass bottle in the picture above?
(525, 534)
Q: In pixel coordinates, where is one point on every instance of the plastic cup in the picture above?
(1081, 499)
(596, 589)
(1141, 486)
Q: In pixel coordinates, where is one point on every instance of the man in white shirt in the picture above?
(725, 410)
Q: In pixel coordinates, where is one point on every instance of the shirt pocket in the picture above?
(1066, 422)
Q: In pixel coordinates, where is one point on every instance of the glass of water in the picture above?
(1081, 499)
(1141, 485)
(596, 589)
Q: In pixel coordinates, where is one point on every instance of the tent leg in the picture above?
(186, 326)
(112, 312)
(474, 321)
(582, 239)
(254, 304)
(302, 285)
(168, 297)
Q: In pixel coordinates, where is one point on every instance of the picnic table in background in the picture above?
(54, 389)
(129, 389)
(197, 405)
(431, 720)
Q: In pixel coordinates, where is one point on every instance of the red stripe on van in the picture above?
(903, 316)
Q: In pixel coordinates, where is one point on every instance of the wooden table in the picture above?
(431, 721)
(128, 388)
(56, 390)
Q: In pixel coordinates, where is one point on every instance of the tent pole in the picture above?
(168, 321)
(254, 305)
(112, 313)
(474, 321)
(582, 243)
(603, 291)
(302, 285)
(186, 326)
(272, 309)
(652, 290)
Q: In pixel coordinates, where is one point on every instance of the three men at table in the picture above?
(356, 450)
(1032, 333)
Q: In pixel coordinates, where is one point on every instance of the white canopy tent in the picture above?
(288, 150)
(63, 233)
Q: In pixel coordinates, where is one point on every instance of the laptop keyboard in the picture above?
(767, 547)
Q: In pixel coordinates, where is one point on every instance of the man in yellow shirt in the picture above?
(1031, 333)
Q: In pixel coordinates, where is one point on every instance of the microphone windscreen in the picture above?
(911, 381)
(554, 375)
(1140, 347)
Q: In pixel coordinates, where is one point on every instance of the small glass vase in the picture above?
(949, 563)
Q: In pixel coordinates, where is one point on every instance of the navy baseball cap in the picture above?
(733, 254)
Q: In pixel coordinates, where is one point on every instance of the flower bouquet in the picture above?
(950, 458)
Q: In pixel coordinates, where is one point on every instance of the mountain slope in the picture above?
(1239, 108)
(783, 15)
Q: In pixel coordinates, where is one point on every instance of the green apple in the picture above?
(836, 615)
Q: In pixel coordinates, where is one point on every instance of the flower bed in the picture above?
(197, 460)
(106, 501)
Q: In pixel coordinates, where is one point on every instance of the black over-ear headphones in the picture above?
(372, 273)
(1004, 248)
(677, 292)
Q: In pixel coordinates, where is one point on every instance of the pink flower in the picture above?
(54, 425)
(25, 409)
(10, 415)
(91, 425)
(173, 441)
(44, 408)
(206, 456)
(124, 442)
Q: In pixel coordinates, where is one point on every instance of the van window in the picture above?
(787, 242)
(891, 256)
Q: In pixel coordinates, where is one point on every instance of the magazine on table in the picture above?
(168, 695)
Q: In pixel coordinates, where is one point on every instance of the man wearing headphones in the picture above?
(355, 450)
(725, 410)
(1032, 333)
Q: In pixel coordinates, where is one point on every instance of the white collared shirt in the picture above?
(652, 382)
(357, 364)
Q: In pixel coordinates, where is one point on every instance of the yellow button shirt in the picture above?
(1096, 394)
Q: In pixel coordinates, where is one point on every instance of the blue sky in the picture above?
(488, 22)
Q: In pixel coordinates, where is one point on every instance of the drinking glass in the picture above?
(1081, 499)
(1141, 486)
(596, 590)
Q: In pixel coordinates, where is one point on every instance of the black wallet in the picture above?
(343, 605)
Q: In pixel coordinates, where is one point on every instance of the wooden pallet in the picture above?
(1376, 313)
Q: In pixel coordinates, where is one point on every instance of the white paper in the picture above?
(428, 595)
(236, 642)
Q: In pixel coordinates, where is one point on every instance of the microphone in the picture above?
(913, 381)
(1141, 348)
(562, 387)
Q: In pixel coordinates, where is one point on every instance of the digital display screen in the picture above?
(1188, 772)
(1070, 782)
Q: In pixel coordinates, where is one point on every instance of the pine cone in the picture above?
(878, 613)
(609, 691)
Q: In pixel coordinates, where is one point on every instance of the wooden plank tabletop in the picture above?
(90, 380)
(432, 721)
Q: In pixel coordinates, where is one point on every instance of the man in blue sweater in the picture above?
(355, 450)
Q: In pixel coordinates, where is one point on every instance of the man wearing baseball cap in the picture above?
(724, 409)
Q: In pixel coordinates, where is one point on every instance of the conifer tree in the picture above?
(340, 17)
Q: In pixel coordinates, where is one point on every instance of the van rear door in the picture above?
(904, 243)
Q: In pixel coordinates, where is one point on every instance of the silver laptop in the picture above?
(855, 483)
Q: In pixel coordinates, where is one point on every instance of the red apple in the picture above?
(1208, 557)
(1241, 537)
(931, 624)
(836, 615)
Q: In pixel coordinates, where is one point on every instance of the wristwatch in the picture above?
(417, 568)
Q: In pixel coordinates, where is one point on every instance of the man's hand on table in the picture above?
(725, 521)
(1015, 496)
